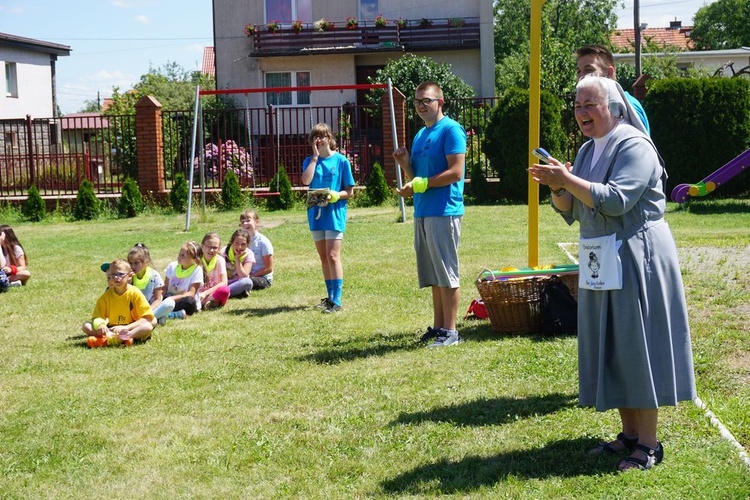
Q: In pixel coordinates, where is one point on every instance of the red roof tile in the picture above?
(677, 38)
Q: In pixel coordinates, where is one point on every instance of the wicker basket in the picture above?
(513, 304)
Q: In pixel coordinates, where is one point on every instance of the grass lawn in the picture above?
(269, 398)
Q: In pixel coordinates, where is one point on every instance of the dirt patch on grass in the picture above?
(739, 362)
(714, 259)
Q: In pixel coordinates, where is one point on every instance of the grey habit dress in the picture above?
(634, 346)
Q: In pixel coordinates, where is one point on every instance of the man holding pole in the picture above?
(435, 174)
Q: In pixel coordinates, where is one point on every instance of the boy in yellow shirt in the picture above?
(122, 314)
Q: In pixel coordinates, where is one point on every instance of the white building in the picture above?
(29, 67)
(457, 33)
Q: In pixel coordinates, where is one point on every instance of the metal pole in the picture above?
(395, 146)
(535, 65)
(637, 23)
(196, 114)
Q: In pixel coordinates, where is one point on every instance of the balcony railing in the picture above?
(410, 36)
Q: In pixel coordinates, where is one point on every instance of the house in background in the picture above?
(677, 39)
(262, 44)
(29, 67)
(286, 53)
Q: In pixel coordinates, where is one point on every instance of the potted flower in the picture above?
(297, 26)
(273, 26)
(456, 22)
(380, 21)
(425, 23)
(250, 29)
(352, 23)
(401, 23)
(323, 25)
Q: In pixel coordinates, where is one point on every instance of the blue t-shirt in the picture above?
(428, 152)
(638, 108)
(334, 173)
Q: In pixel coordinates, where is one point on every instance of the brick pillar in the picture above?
(150, 144)
(639, 87)
(399, 109)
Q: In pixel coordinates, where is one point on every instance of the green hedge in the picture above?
(698, 125)
(506, 140)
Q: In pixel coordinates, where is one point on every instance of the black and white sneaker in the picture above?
(430, 334)
(333, 308)
(324, 304)
(446, 338)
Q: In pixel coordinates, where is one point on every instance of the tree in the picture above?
(171, 85)
(131, 200)
(34, 209)
(174, 88)
(566, 25)
(87, 206)
(506, 140)
(722, 25)
(408, 71)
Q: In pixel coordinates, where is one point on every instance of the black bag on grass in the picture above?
(559, 310)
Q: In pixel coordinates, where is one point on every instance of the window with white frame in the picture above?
(288, 79)
(368, 9)
(11, 80)
(286, 11)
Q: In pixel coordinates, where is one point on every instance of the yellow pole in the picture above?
(535, 65)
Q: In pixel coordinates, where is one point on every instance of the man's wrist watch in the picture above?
(559, 192)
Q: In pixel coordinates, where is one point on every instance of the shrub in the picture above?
(699, 134)
(34, 208)
(231, 194)
(226, 156)
(131, 201)
(376, 189)
(179, 193)
(506, 141)
(87, 206)
(285, 199)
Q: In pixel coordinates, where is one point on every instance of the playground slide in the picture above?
(736, 166)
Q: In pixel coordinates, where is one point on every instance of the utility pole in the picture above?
(637, 23)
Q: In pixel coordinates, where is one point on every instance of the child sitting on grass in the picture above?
(214, 292)
(182, 280)
(261, 272)
(122, 313)
(149, 282)
(14, 259)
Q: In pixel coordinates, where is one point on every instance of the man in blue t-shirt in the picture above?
(597, 60)
(436, 168)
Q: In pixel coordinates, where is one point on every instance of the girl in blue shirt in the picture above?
(329, 170)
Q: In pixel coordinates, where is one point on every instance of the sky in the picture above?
(658, 13)
(114, 42)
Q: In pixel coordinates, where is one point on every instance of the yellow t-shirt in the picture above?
(122, 309)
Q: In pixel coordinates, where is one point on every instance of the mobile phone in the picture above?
(542, 154)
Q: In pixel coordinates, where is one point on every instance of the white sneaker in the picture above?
(15, 283)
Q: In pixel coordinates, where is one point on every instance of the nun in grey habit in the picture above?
(634, 350)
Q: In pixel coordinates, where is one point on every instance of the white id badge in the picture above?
(599, 265)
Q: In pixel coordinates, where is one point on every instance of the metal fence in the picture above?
(254, 142)
(57, 154)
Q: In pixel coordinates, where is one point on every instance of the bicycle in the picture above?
(742, 72)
